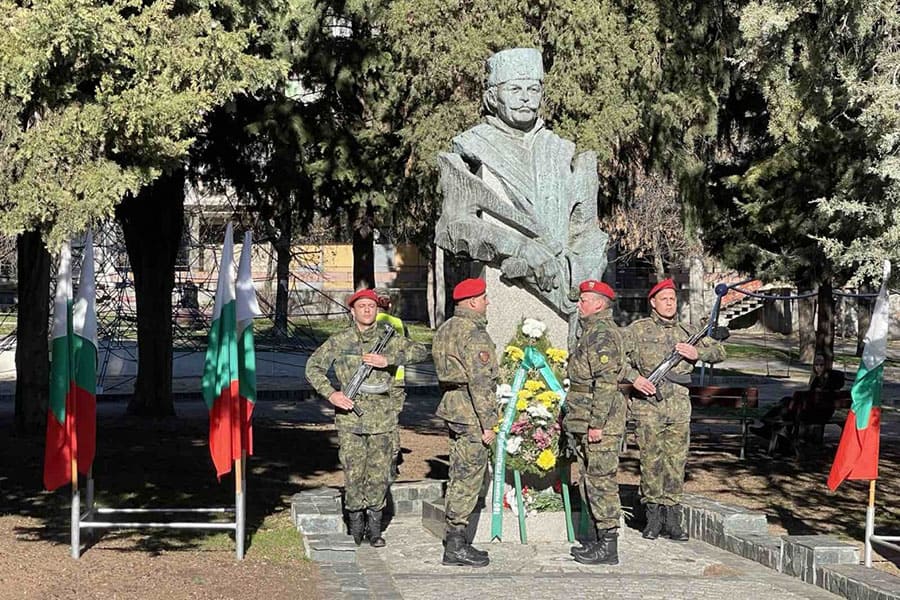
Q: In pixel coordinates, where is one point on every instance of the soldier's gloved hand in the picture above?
(339, 400)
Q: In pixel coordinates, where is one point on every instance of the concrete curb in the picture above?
(821, 560)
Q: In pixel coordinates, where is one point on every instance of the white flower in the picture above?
(539, 411)
(504, 393)
(533, 328)
(510, 497)
(513, 444)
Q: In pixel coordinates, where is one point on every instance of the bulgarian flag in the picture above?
(230, 403)
(857, 453)
(72, 412)
(247, 309)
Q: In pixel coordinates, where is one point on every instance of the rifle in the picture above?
(712, 330)
(363, 371)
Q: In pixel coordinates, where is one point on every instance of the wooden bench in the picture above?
(805, 416)
(723, 404)
(716, 404)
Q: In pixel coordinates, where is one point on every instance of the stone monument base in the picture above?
(510, 304)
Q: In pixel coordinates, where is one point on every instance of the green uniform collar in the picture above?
(602, 315)
(663, 322)
(471, 315)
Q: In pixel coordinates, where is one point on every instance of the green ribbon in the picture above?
(533, 359)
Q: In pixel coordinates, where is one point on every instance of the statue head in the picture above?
(515, 86)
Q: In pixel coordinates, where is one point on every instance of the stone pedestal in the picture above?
(510, 304)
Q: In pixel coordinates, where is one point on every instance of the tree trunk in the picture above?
(364, 249)
(32, 331)
(864, 308)
(806, 323)
(282, 272)
(152, 223)
(825, 329)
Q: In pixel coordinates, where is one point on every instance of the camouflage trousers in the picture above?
(598, 464)
(398, 398)
(468, 466)
(366, 460)
(663, 435)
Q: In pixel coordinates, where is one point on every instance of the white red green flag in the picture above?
(72, 411)
(246, 310)
(857, 453)
(229, 357)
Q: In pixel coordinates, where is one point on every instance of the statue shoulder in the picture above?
(470, 142)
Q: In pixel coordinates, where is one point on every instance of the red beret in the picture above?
(665, 284)
(469, 288)
(598, 287)
(370, 294)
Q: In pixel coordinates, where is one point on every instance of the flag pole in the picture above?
(239, 505)
(72, 433)
(870, 523)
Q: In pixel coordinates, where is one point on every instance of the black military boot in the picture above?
(375, 538)
(674, 530)
(357, 525)
(605, 551)
(458, 553)
(654, 521)
(476, 550)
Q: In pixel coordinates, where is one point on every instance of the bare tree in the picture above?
(648, 225)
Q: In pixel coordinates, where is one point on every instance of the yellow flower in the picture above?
(546, 460)
(533, 385)
(547, 398)
(515, 353)
(496, 428)
(521, 404)
(525, 395)
(557, 355)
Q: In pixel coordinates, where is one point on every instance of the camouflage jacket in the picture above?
(343, 351)
(654, 339)
(466, 363)
(600, 360)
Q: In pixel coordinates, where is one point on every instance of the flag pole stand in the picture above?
(870, 524)
(239, 505)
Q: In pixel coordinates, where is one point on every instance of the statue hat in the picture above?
(514, 63)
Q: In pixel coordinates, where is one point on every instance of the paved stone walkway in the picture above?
(410, 567)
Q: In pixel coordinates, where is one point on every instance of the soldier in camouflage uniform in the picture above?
(398, 387)
(595, 416)
(663, 413)
(366, 441)
(466, 364)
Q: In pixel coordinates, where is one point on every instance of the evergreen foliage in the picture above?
(100, 97)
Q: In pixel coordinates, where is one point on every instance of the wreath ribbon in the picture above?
(532, 359)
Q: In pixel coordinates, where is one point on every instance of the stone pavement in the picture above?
(410, 567)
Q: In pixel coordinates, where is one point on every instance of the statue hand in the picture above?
(546, 275)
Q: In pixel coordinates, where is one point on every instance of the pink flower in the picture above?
(541, 438)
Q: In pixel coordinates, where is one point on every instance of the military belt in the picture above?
(582, 388)
(450, 387)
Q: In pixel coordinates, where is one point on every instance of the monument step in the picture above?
(539, 526)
